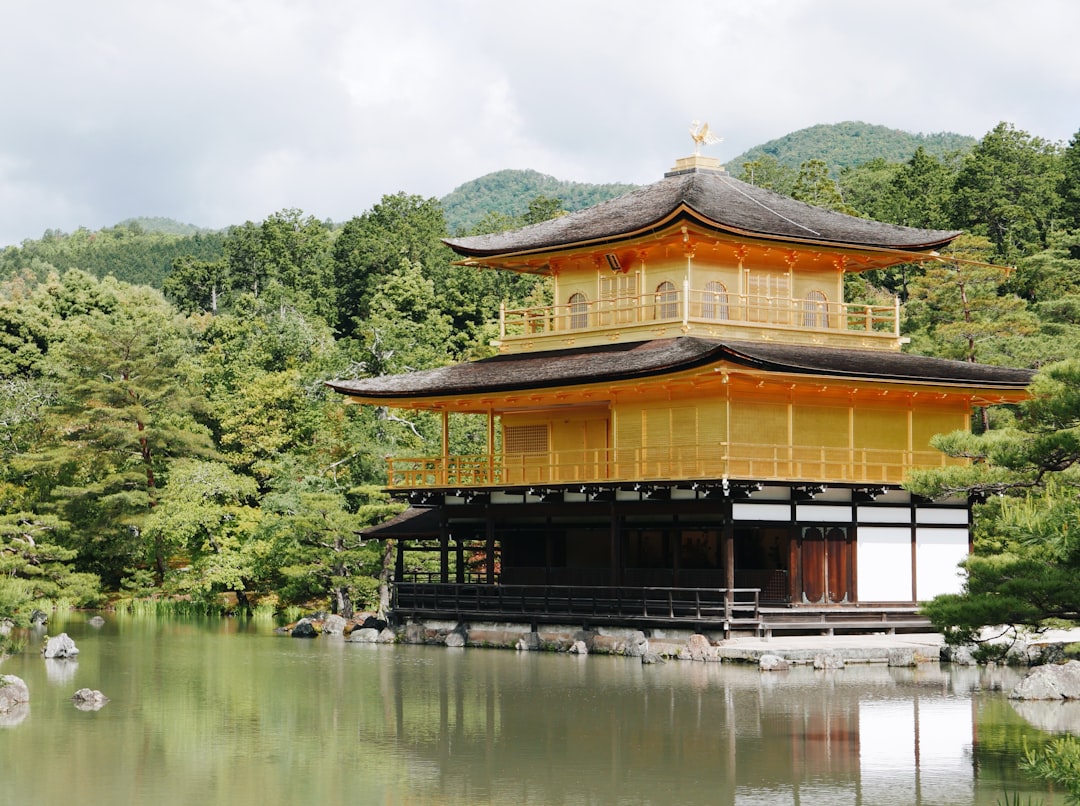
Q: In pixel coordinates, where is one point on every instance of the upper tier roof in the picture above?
(625, 361)
(718, 201)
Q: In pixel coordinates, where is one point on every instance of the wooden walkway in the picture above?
(705, 609)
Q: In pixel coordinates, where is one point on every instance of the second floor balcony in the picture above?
(671, 310)
(746, 460)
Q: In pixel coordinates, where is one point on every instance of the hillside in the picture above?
(509, 192)
(840, 145)
(851, 143)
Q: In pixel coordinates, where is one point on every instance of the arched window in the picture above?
(667, 301)
(815, 310)
(579, 311)
(714, 304)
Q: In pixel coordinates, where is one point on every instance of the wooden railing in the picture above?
(683, 462)
(695, 306)
(577, 603)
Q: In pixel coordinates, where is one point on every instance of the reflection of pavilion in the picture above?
(550, 729)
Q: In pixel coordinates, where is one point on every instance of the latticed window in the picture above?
(667, 301)
(579, 311)
(815, 310)
(715, 302)
(768, 295)
(526, 439)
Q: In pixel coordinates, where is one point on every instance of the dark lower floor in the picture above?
(673, 553)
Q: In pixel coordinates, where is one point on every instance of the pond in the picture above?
(214, 712)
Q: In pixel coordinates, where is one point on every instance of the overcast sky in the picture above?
(215, 112)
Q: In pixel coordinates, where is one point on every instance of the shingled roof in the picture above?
(715, 200)
(620, 362)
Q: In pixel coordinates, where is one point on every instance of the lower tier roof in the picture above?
(650, 359)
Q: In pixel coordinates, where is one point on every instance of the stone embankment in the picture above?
(822, 652)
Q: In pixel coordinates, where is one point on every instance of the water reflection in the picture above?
(216, 713)
(700, 733)
(61, 670)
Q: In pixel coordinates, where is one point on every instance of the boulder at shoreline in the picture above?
(60, 647)
(1054, 681)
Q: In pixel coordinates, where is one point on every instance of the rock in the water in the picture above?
(364, 635)
(1055, 681)
(579, 648)
(87, 699)
(96, 621)
(455, 639)
(960, 655)
(1046, 653)
(652, 657)
(773, 663)
(333, 625)
(38, 618)
(637, 645)
(304, 628)
(529, 642)
(587, 637)
(902, 657)
(415, 633)
(698, 648)
(386, 636)
(373, 623)
(13, 692)
(6, 626)
(59, 647)
(828, 660)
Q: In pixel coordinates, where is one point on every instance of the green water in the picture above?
(219, 712)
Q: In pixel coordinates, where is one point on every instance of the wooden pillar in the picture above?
(399, 561)
(549, 551)
(616, 575)
(489, 548)
(445, 447)
(444, 553)
(675, 541)
(491, 475)
(459, 556)
(729, 557)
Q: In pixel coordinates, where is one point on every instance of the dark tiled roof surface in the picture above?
(718, 198)
(618, 362)
(407, 523)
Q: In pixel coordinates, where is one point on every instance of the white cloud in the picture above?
(220, 111)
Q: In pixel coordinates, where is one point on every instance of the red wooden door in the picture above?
(825, 566)
(812, 570)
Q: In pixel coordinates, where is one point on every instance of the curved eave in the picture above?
(668, 226)
(535, 373)
(720, 202)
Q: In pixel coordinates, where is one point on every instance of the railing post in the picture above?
(686, 301)
(502, 319)
(896, 316)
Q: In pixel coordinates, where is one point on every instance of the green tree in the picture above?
(767, 172)
(195, 285)
(1025, 570)
(921, 192)
(1070, 185)
(321, 555)
(372, 246)
(124, 411)
(1007, 190)
(207, 517)
(957, 310)
(868, 189)
(35, 568)
(815, 185)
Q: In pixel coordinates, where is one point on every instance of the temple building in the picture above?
(697, 431)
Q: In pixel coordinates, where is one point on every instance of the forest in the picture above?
(167, 434)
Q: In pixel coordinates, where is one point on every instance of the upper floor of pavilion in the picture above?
(701, 253)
